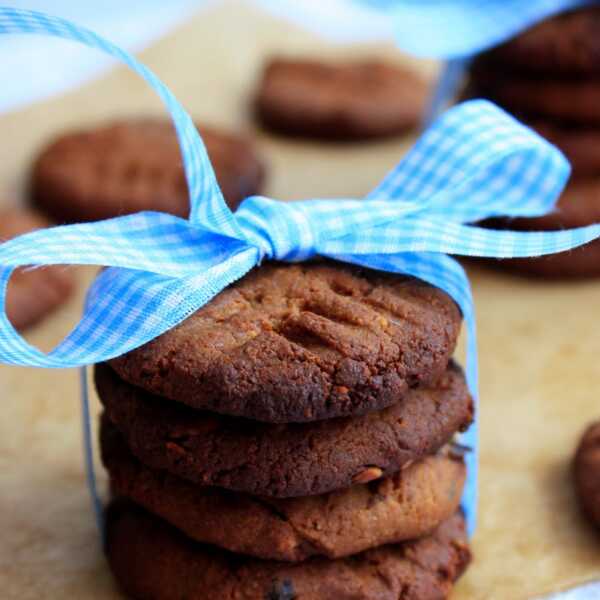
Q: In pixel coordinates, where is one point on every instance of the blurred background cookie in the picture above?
(587, 472)
(133, 165)
(548, 78)
(569, 43)
(32, 293)
(343, 101)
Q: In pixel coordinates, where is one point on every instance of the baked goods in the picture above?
(339, 101)
(133, 165)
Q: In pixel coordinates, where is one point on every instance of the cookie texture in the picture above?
(134, 165)
(32, 293)
(587, 472)
(150, 559)
(407, 505)
(298, 459)
(301, 343)
(568, 43)
(344, 101)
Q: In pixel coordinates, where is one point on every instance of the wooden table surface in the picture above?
(539, 343)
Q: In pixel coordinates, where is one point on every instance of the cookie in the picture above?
(297, 459)
(568, 43)
(410, 504)
(32, 293)
(587, 472)
(343, 101)
(575, 101)
(151, 559)
(578, 206)
(134, 165)
(300, 343)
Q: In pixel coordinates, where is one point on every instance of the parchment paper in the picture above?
(539, 345)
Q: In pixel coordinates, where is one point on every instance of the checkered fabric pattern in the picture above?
(474, 162)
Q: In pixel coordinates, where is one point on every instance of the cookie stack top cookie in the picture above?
(292, 343)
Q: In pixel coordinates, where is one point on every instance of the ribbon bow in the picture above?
(475, 162)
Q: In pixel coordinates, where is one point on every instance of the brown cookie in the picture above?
(297, 459)
(587, 472)
(578, 206)
(344, 101)
(151, 559)
(134, 165)
(410, 504)
(569, 101)
(32, 293)
(300, 343)
(568, 43)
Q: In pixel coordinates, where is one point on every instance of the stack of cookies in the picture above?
(549, 77)
(292, 439)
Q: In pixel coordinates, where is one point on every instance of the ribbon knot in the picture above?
(281, 231)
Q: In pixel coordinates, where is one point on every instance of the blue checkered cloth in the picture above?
(475, 162)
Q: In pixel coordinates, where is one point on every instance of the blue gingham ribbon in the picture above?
(475, 162)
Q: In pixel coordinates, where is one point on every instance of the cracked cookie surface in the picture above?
(388, 510)
(133, 165)
(151, 559)
(296, 459)
(293, 343)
